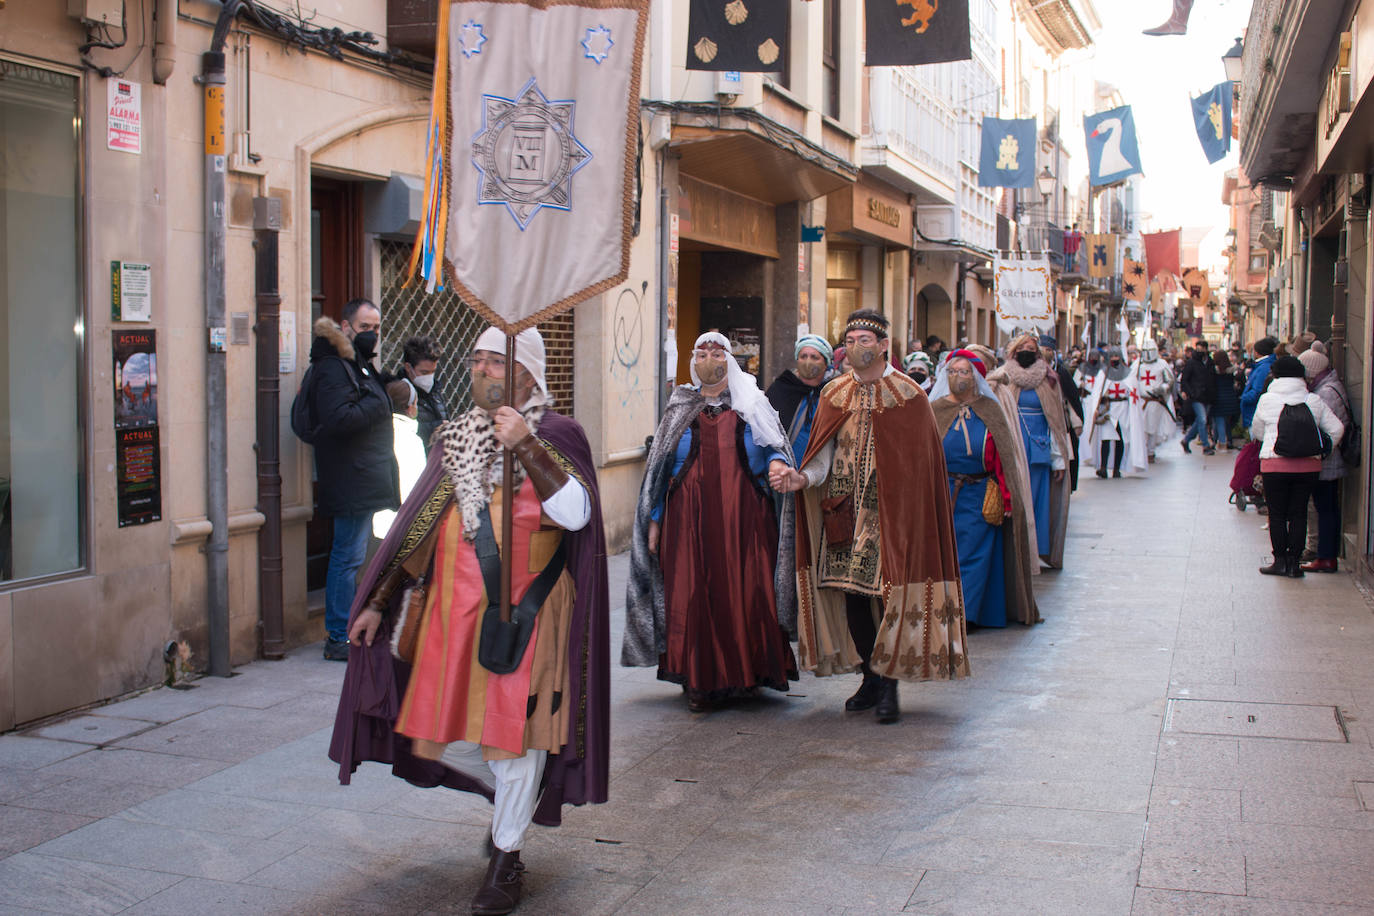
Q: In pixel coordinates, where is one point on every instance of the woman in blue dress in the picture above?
(987, 481)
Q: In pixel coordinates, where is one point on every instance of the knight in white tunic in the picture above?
(1115, 433)
(1154, 378)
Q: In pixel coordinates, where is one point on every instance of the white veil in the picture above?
(746, 398)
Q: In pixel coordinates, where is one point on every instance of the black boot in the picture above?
(1294, 568)
(500, 890)
(887, 711)
(866, 697)
(1277, 568)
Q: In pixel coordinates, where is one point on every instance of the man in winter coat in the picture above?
(355, 465)
(1198, 388)
(1257, 379)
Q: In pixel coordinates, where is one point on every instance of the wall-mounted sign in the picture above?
(869, 209)
(131, 291)
(286, 342)
(138, 493)
(124, 116)
(135, 378)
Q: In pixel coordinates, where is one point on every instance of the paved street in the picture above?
(1181, 735)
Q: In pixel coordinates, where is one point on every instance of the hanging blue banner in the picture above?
(1113, 153)
(1212, 117)
(1007, 158)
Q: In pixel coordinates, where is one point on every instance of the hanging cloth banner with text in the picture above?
(1113, 153)
(1022, 294)
(529, 192)
(745, 35)
(911, 32)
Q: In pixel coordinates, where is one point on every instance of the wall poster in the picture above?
(138, 463)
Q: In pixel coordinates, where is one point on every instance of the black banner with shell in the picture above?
(908, 32)
(745, 35)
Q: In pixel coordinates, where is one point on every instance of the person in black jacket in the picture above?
(355, 465)
(1198, 389)
(1073, 401)
(419, 363)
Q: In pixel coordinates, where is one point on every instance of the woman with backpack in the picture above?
(1321, 378)
(1291, 451)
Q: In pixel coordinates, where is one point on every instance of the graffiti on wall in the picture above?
(628, 365)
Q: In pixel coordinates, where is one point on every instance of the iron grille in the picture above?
(454, 327)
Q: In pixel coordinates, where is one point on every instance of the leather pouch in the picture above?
(837, 514)
(405, 634)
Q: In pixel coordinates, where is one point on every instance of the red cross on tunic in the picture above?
(1147, 377)
(1135, 396)
(1116, 392)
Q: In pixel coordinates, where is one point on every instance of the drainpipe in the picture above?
(266, 226)
(216, 379)
(164, 40)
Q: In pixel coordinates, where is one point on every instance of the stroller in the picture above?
(1246, 486)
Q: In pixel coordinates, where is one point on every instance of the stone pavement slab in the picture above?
(1103, 762)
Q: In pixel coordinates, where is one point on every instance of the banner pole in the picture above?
(507, 497)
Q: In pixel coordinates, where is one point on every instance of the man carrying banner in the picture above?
(421, 692)
(877, 568)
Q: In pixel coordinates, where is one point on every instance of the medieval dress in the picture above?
(446, 720)
(996, 561)
(712, 609)
(1040, 426)
(877, 444)
(1114, 426)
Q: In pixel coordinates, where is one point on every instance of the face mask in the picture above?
(860, 356)
(488, 393)
(918, 377)
(711, 372)
(424, 382)
(960, 384)
(1025, 359)
(809, 369)
(365, 344)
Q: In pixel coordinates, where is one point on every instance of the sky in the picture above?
(1156, 76)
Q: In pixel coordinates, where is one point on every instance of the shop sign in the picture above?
(131, 291)
(867, 209)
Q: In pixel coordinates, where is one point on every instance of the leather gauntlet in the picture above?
(546, 474)
(380, 599)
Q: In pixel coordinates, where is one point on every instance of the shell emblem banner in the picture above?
(1022, 294)
(530, 188)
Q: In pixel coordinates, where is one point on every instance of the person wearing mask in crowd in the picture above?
(1085, 376)
(990, 495)
(1326, 494)
(523, 721)
(1239, 361)
(1116, 433)
(1226, 408)
(921, 369)
(419, 363)
(410, 451)
(712, 597)
(1289, 478)
(795, 393)
(355, 465)
(1257, 379)
(1153, 381)
(1029, 393)
(877, 564)
(1073, 403)
(1197, 388)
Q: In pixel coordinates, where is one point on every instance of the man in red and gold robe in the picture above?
(877, 569)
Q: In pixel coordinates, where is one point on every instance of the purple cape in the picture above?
(375, 682)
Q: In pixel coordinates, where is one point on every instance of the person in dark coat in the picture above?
(355, 462)
(1226, 406)
(1198, 389)
(419, 363)
(1073, 401)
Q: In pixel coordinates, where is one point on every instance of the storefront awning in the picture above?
(776, 169)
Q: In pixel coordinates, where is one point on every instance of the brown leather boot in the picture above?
(500, 890)
(1177, 24)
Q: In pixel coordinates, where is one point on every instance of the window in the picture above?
(843, 286)
(41, 444)
(830, 59)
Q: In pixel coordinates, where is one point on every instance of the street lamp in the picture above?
(1231, 60)
(1045, 181)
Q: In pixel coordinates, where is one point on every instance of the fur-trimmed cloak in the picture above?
(1019, 560)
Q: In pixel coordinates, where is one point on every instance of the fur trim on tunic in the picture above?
(329, 329)
(646, 608)
(470, 455)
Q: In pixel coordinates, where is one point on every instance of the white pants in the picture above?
(516, 784)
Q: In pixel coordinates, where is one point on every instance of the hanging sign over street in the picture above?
(1022, 294)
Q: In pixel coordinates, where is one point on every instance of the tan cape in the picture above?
(1052, 402)
(922, 633)
(1018, 542)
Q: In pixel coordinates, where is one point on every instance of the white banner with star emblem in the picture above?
(533, 187)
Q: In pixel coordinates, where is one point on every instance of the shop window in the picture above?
(41, 440)
(843, 288)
